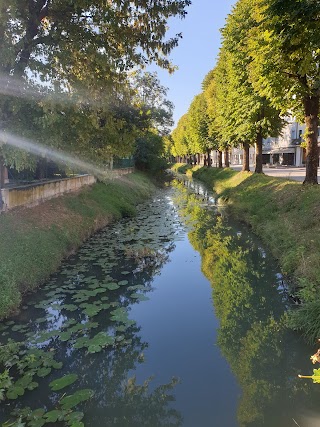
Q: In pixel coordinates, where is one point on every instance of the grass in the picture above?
(33, 241)
(181, 167)
(286, 216)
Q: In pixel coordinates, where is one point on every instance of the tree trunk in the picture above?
(41, 172)
(2, 177)
(226, 158)
(258, 146)
(220, 166)
(37, 11)
(311, 106)
(246, 162)
(208, 159)
(198, 158)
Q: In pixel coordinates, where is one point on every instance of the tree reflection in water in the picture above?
(250, 302)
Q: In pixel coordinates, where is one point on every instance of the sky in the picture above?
(197, 52)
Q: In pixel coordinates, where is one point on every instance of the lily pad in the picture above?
(102, 339)
(112, 286)
(14, 392)
(63, 382)
(139, 297)
(74, 417)
(81, 342)
(43, 372)
(70, 307)
(123, 282)
(91, 311)
(54, 416)
(79, 396)
(65, 336)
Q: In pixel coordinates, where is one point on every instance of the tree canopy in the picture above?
(62, 39)
(285, 48)
(66, 76)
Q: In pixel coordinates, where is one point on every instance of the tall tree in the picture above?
(285, 48)
(209, 86)
(179, 137)
(198, 126)
(150, 100)
(252, 117)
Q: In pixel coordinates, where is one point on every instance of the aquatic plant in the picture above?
(315, 358)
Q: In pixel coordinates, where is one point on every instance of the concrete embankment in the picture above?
(33, 241)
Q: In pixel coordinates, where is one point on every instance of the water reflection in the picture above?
(250, 301)
(83, 323)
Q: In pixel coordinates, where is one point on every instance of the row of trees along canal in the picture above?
(268, 67)
(70, 77)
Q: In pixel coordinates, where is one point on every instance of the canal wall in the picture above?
(33, 194)
(36, 193)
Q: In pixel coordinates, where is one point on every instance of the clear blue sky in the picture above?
(197, 51)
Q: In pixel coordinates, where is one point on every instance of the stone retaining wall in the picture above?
(33, 194)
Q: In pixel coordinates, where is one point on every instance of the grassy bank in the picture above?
(33, 241)
(286, 216)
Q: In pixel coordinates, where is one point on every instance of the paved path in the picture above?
(296, 174)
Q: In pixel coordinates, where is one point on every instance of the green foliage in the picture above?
(251, 331)
(149, 153)
(315, 358)
(63, 382)
(284, 47)
(181, 167)
(276, 208)
(198, 126)
(179, 138)
(5, 383)
(73, 400)
(108, 38)
(67, 80)
(285, 51)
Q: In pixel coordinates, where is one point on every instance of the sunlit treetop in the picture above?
(63, 37)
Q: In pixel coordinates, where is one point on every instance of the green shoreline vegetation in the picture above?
(285, 215)
(34, 241)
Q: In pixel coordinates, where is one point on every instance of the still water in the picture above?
(173, 318)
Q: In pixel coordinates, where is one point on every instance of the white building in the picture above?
(284, 150)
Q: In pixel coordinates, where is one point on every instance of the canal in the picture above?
(176, 317)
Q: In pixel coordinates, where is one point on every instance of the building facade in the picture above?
(284, 150)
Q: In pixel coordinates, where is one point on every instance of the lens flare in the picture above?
(55, 155)
(19, 88)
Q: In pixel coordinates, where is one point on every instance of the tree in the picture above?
(285, 51)
(61, 39)
(149, 153)
(251, 117)
(150, 101)
(83, 51)
(209, 86)
(198, 126)
(179, 137)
